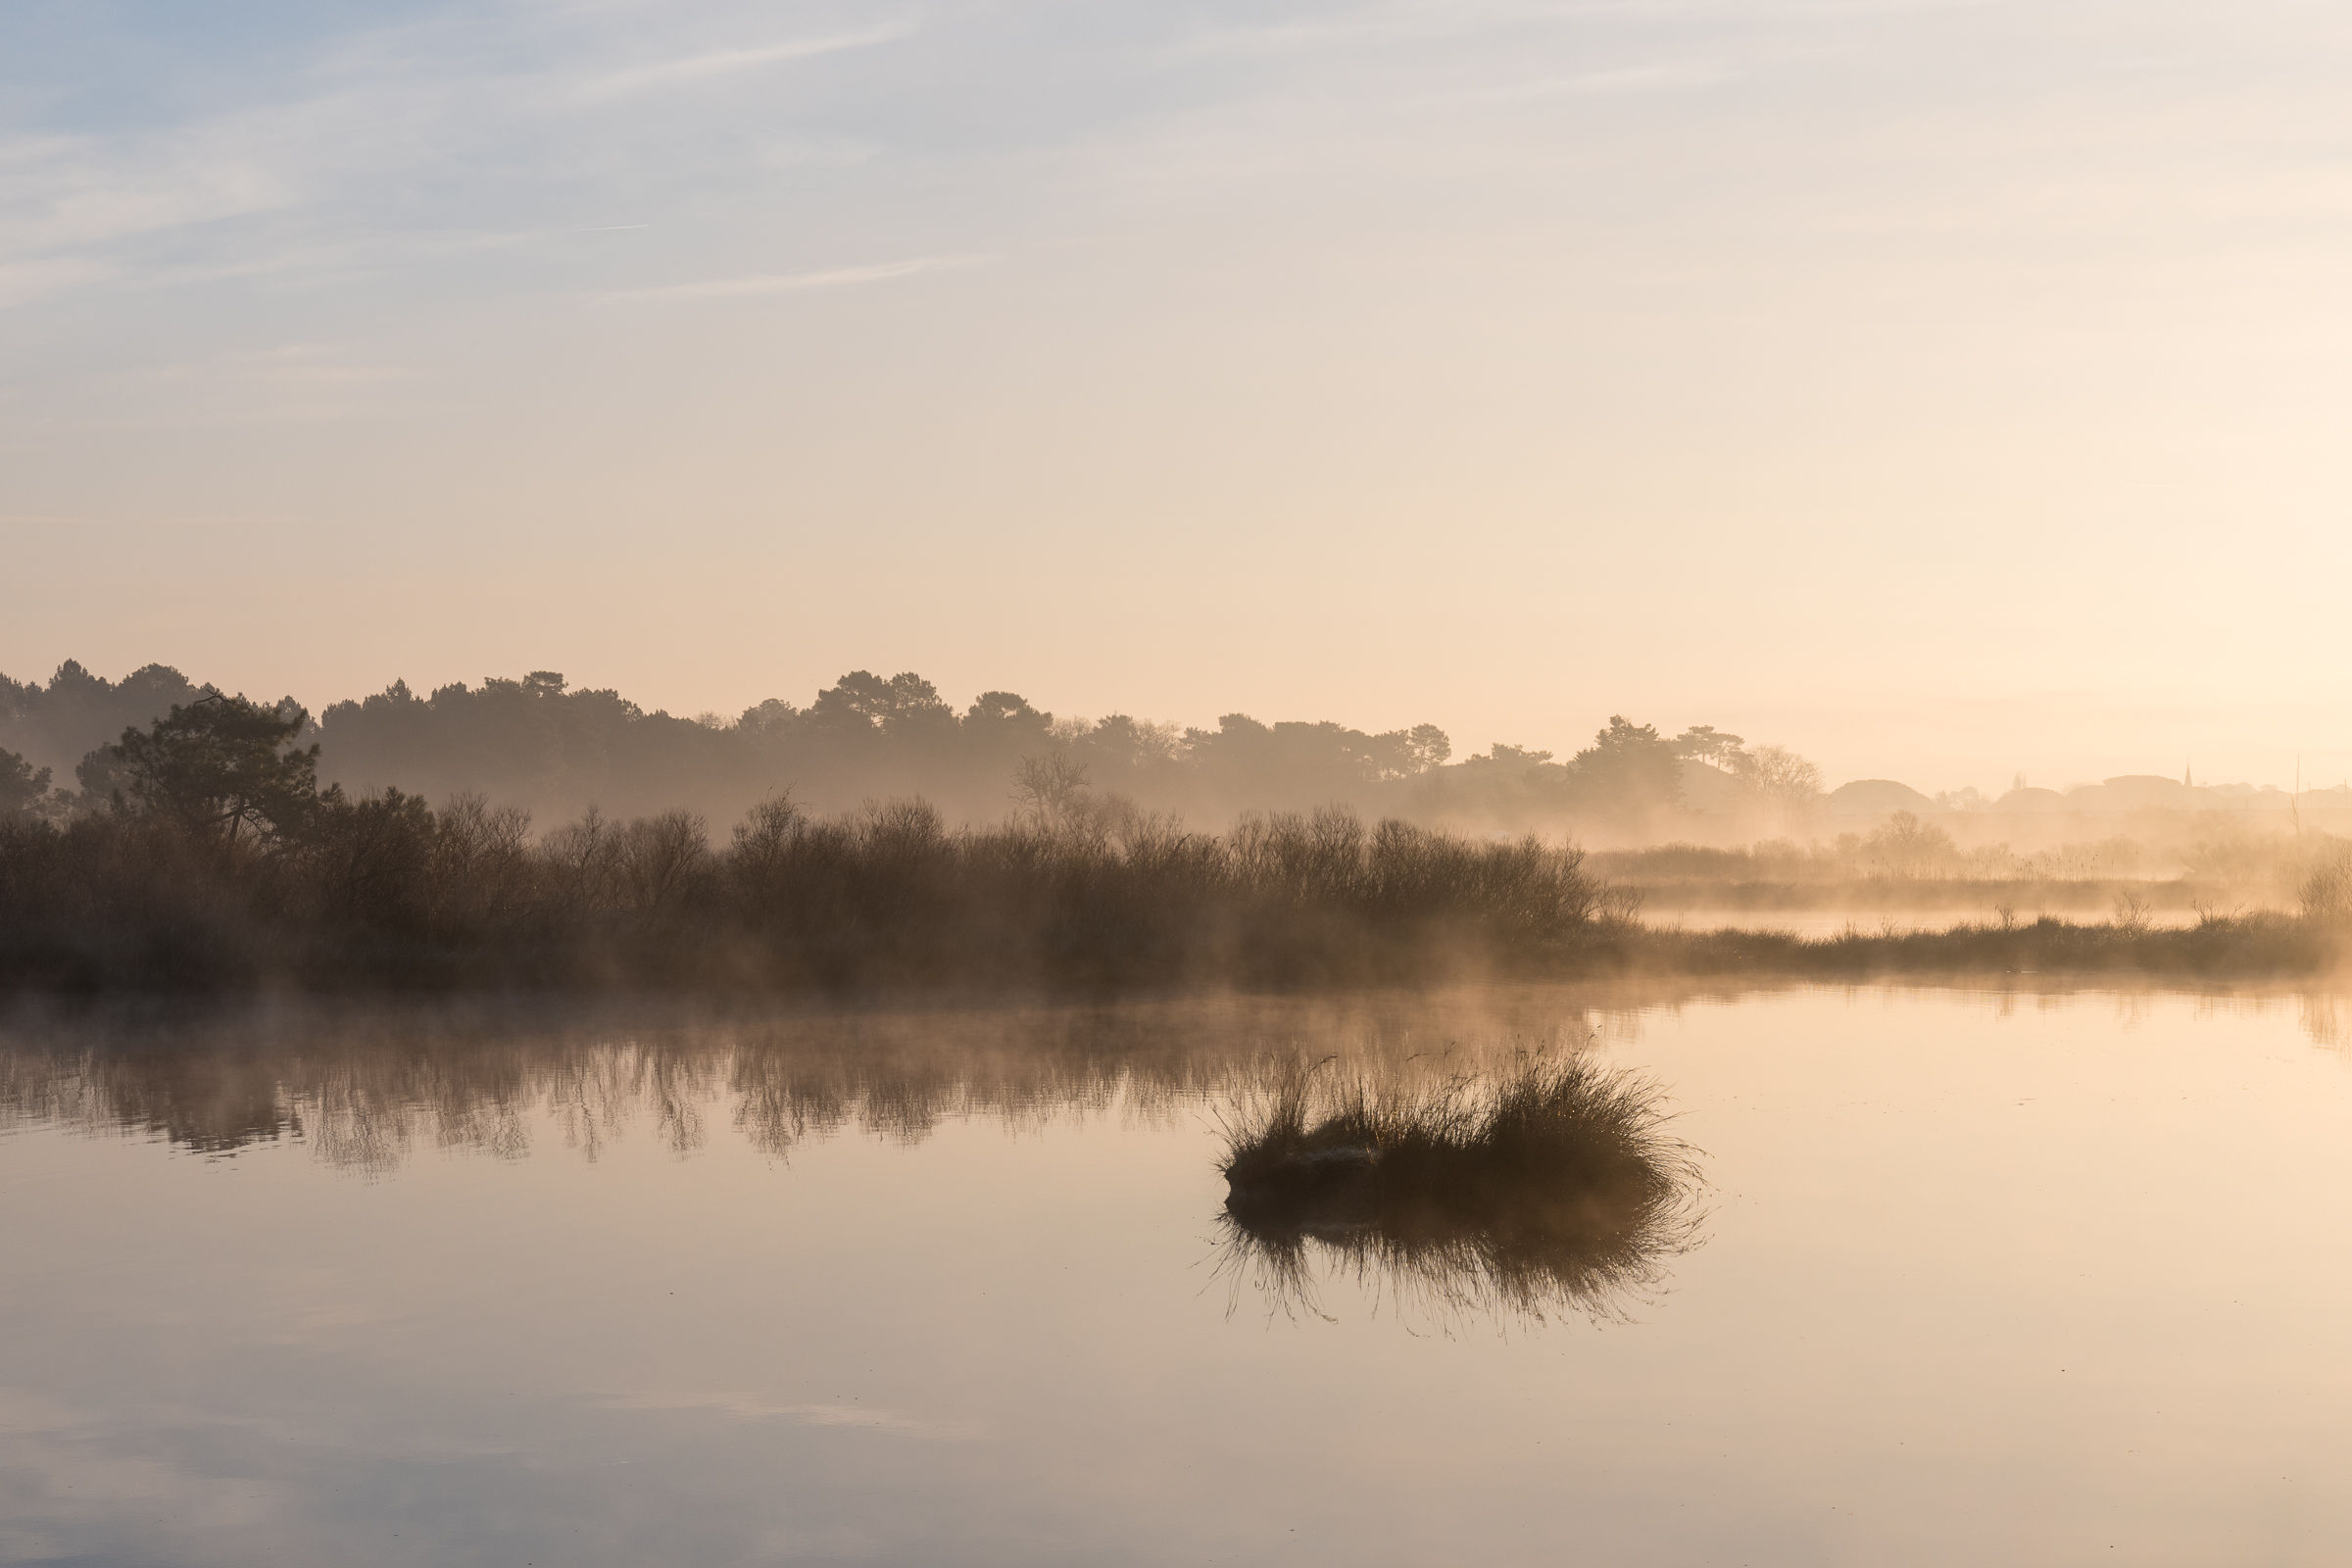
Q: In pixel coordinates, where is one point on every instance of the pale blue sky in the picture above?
(1941, 389)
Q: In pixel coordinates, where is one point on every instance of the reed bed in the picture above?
(386, 893)
(2262, 945)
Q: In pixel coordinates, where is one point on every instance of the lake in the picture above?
(1976, 1276)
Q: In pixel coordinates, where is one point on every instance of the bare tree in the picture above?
(661, 859)
(2326, 887)
(1787, 786)
(1905, 846)
(481, 866)
(583, 857)
(1049, 791)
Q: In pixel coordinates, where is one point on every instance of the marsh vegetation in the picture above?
(205, 853)
(388, 892)
(1550, 1185)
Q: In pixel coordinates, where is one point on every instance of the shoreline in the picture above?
(2260, 947)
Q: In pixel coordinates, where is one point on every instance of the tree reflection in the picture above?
(365, 1087)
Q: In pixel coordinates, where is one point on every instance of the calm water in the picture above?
(2017, 1278)
(1819, 923)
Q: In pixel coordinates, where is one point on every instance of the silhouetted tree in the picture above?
(1423, 747)
(901, 704)
(539, 744)
(1788, 785)
(1630, 769)
(1006, 710)
(1049, 789)
(1704, 743)
(774, 716)
(219, 764)
(372, 858)
(22, 786)
(664, 862)
(57, 724)
(1903, 846)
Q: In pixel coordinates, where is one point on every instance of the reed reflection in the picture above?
(1544, 1187)
(367, 1087)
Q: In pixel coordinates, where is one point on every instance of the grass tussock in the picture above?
(1549, 1188)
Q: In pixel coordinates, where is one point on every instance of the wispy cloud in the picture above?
(1622, 82)
(293, 383)
(750, 1407)
(1649, 78)
(312, 365)
(839, 152)
(59, 192)
(1383, 22)
(296, 171)
(789, 282)
(22, 282)
(718, 63)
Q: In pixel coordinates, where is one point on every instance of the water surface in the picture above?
(2038, 1278)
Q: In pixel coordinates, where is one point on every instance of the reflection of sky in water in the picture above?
(2017, 1279)
(1819, 923)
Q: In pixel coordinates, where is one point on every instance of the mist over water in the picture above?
(477, 1282)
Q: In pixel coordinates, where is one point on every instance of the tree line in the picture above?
(220, 861)
(537, 743)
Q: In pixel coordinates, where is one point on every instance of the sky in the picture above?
(1947, 391)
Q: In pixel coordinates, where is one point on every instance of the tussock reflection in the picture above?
(1546, 1186)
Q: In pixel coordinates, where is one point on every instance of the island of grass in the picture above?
(1551, 1186)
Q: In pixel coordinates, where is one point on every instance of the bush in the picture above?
(2325, 890)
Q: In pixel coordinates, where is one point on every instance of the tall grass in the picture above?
(2219, 946)
(1549, 1187)
(385, 892)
